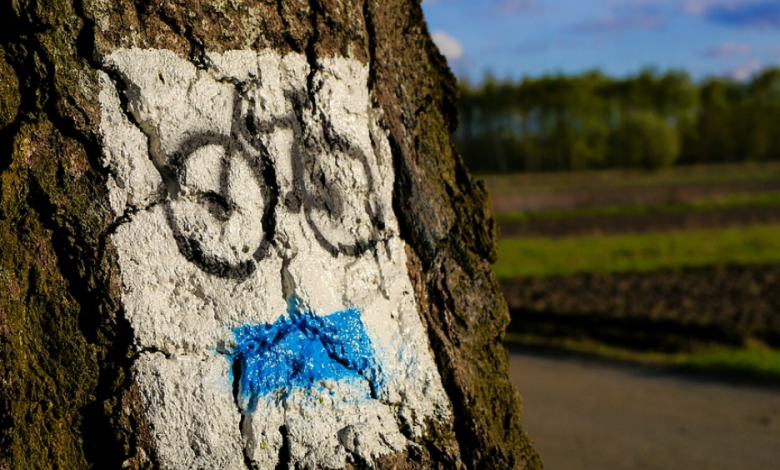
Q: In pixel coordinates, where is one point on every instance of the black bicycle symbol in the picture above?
(317, 188)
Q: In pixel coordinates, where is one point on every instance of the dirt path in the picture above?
(590, 415)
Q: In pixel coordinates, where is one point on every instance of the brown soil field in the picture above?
(539, 199)
(639, 223)
(666, 310)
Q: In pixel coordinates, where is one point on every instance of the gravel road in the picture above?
(585, 414)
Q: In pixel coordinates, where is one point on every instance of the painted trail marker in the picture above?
(305, 350)
(262, 269)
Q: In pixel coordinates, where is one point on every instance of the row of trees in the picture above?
(650, 120)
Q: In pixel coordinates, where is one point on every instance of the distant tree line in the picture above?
(650, 120)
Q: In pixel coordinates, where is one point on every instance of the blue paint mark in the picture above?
(303, 350)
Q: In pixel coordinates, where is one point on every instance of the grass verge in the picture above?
(754, 362)
(538, 257)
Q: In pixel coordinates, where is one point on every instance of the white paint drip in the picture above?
(238, 191)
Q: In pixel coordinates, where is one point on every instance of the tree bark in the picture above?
(71, 351)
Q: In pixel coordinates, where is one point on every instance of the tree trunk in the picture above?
(234, 234)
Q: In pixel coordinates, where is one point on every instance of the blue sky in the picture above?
(516, 38)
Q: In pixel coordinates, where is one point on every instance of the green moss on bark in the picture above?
(49, 365)
(446, 221)
(9, 92)
(61, 343)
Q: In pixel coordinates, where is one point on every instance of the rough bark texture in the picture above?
(67, 400)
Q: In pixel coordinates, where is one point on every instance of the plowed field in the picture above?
(666, 310)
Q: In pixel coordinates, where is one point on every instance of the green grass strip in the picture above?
(750, 362)
(532, 257)
(761, 362)
(736, 201)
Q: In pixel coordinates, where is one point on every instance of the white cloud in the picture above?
(702, 7)
(698, 7)
(513, 6)
(448, 45)
(628, 15)
(746, 71)
(695, 7)
(729, 49)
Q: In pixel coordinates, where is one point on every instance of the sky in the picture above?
(511, 39)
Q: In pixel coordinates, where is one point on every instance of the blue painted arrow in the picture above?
(303, 350)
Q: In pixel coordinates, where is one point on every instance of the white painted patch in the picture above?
(238, 188)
